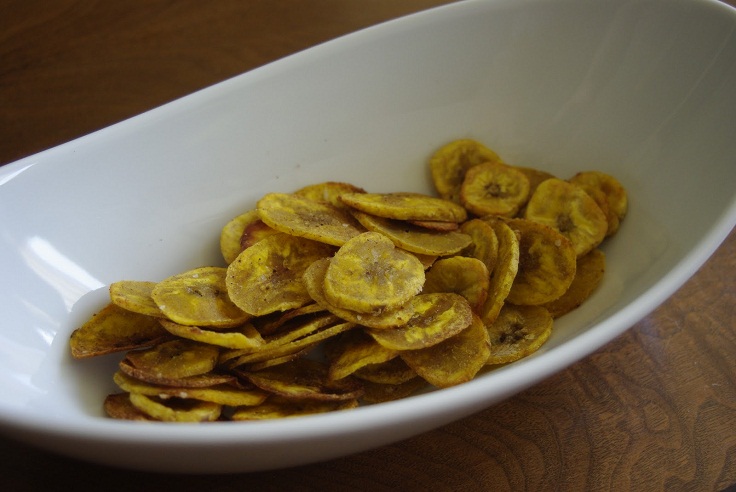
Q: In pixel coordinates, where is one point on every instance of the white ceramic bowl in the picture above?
(643, 90)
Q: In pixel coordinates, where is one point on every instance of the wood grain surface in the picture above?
(653, 410)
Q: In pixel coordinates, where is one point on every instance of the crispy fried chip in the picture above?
(406, 206)
(437, 317)
(304, 379)
(268, 325)
(232, 232)
(253, 233)
(535, 176)
(300, 216)
(568, 209)
(243, 337)
(504, 272)
(547, 263)
(277, 408)
(176, 410)
(436, 225)
(394, 371)
(462, 275)
(267, 277)
(329, 192)
(369, 274)
(588, 275)
(453, 361)
(118, 406)
(379, 393)
(493, 188)
(484, 245)
(608, 193)
(175, 359)
(449, 164)
(135, 295)
(354, 350)
(114, 329)
(151, 375)
(414, 238)
(198, 297)
(314, 280)
(517, 332)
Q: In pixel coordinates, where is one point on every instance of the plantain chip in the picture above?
(547, 263)
(484, 243)
(504, 272)
(414, 238)
(254, 232)
(314, 280)
(114, 329)
(380, 393)
(517, 332)
(354, 350)
(608, 193)
(176, 410)
(270, 324)
(267, 277)
(232, 232)
(462, 275)
(329, 192)
(174, 359)
(588, 275)
(300, 216)
(406, 206)
(198, 297)
(151, 375)
(493, 188)
(449, 164)
(535, 176)
(135, 295)
(391, 372)
(455, 360)
(304, 379)
(118, 406)
(369, 274)
(568, 209)
(436, 225)
(437, 317)
(277, 408)
(243, 337)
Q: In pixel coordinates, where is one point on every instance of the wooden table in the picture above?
(653, 410)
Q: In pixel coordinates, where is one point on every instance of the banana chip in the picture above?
(517, 332)
(406, 206)
(449, 164)
(115, 329)
(176, 410)
(267, 277)
(380, 393)
(462, 275)
(150, 374)
(608, 193)
(118, 406)
(134, 295)
(254, 232)
(455, 360)
(484, 243)
(547, 262)
(244, 337)
(493, 188)
(391, 372)
(354, 350)
(300, 216)
(588, 275)
(277, 408)
(175, 359)
(198, 297)
(568, 209)
(504, 272)
(329, 192)
(231, 234)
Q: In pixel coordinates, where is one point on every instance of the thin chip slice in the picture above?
(394, 371)
(114, 329)
(608, 193)
(535, 176)
(437, 316)
(267, 277)
(380, 393)
(221, 394)
(268, 325)
(504, 272)
(199, 298)
(436, 225)
(231, 233)
(369, 274)
(304, 379)
(152, 376)
(135, 295)
(517, 332)
(174, 359)
(277, 408)
(484, 245)
(314, 280)
(243, 337)
(176, 410)
(254, 232)
(118, 406)
(547, 263)
(462, 275)
(300, 216)
(329, 192)
(588, 275)
(414, 238)
(449, 164)
(568, 209)
(354, 350)
(493, 188)
(454, 361)
(406, 206)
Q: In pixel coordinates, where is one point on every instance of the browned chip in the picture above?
(493, 188)
(277, 408)
(118, 406)
(254, 232)
(354, 350)
(406, 206)
(394, 371)
(151, 375)
(379, 393)
(588, 274)
(449, 164)
(175, 409)
(231, 234)
(114, 329)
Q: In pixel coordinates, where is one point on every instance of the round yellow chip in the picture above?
(199, 298)
(135, 296)
(243, 337)
(546, 264)
(329, 192)
(267, 277)
(406, 206)
(493, 188)
(449, 164)
(517, 332)
(175, 359)
(150, 374)
(176, 410)
(504, 272)
(300, 216)
(588, 274)
(568, 209)
(369, 274)
(462, 275)
(484, 245)
(231, 234)
(608, 193)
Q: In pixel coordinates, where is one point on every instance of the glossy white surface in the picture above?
(642, 90)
